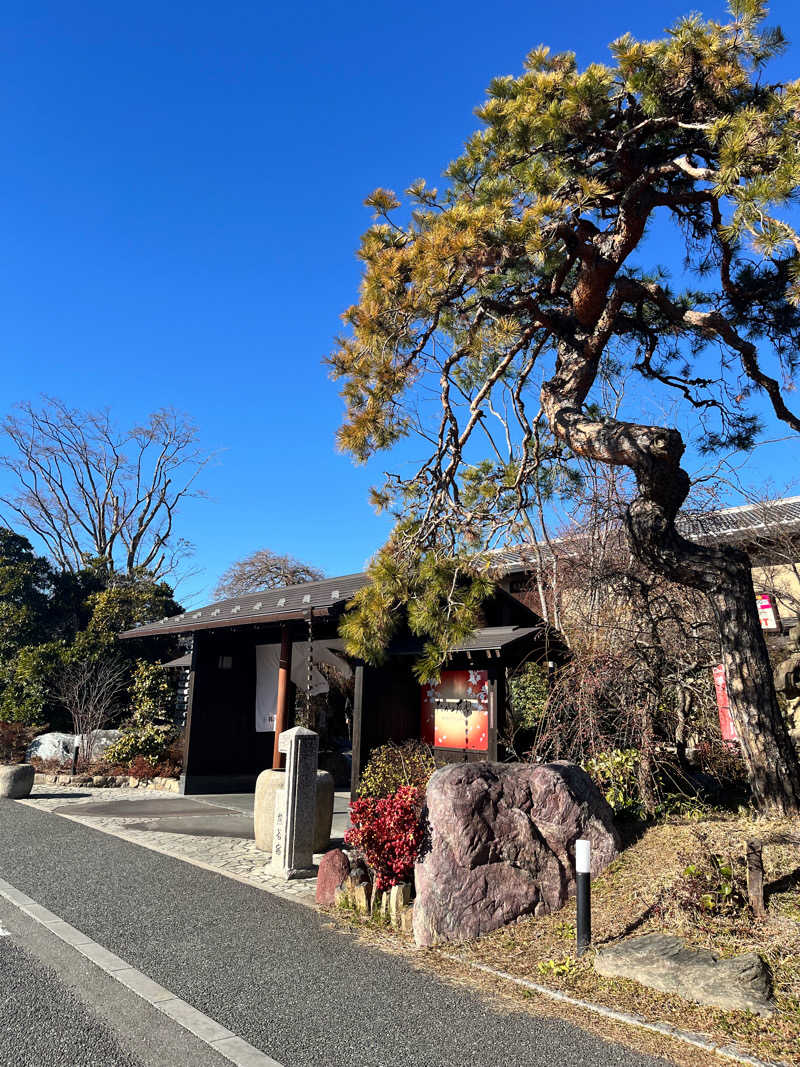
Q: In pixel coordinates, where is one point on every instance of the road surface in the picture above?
(272, 972)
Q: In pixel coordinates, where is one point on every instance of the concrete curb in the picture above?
(208, 1030)
(686, 1036)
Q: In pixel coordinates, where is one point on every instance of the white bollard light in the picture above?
(583, 867)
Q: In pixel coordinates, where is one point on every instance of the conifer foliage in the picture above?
(490, 315)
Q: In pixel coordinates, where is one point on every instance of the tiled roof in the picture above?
(748, 523)
(271, 605)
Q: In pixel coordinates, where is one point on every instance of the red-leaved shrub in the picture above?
(388, 831)
(14, 740)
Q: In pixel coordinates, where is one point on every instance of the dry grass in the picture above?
(636, 895)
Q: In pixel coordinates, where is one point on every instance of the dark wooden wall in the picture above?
(221, 734)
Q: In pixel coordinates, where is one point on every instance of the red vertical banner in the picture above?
(723, 705)
(767, 612)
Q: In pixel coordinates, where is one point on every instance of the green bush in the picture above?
(150, 731)
(527, 696)
(392, 766)
(616, 774)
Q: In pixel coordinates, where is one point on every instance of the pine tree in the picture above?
(522, 285)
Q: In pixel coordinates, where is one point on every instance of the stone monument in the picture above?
(295, 806)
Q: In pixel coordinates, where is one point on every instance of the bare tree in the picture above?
(264, 570)
(642, 647)
(92, 691)
(93, 492)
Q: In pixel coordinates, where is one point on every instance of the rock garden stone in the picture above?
(407, 921)
(399, 899)
(666, 963)
(16, 780)
(361, 898)
(502, 845)
(334, 867)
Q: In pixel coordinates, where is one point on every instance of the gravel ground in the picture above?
(270, 970)
(43, 1024)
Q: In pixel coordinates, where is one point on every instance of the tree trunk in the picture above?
(771, 758)
(724, 574)
(654, 455)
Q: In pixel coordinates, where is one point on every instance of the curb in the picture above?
(730, 1052)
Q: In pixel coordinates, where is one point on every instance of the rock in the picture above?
(133, 783)
(267, 784)
(666, 963)
(334, 867)
(360, 896)
(60, 746)
(52, 745)
(502, 845)
(16, 780)
(341, 898)
(64, 779)
(407, 920)
(99, 780)
(399, 899)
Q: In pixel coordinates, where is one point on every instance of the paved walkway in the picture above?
(213, 832)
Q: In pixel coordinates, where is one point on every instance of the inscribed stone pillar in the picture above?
(295, 806)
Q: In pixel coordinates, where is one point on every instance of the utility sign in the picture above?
(768, 612)
(723, 705)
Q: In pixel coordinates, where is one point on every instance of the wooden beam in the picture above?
(358, 709)
(282, 703)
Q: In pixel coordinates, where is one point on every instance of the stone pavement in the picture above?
(142, 817)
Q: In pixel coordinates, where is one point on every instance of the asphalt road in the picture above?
(271, 971)
(44, 1024)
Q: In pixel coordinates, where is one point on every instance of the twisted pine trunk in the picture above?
(724, 574)
(654, 453)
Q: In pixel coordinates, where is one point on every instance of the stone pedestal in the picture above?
(16, 780)
(295, 806)
(267, 785)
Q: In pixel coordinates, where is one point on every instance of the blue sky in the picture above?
(181, 203)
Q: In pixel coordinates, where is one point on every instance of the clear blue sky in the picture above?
(182, 197)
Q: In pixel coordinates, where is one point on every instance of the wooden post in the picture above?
(496, 698)
(755, 878)
(358, 706)
(187, 726)
(282, 703)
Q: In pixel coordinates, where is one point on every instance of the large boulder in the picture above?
(60, 746)
(502, 845)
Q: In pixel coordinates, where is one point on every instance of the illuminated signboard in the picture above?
(455, 711)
